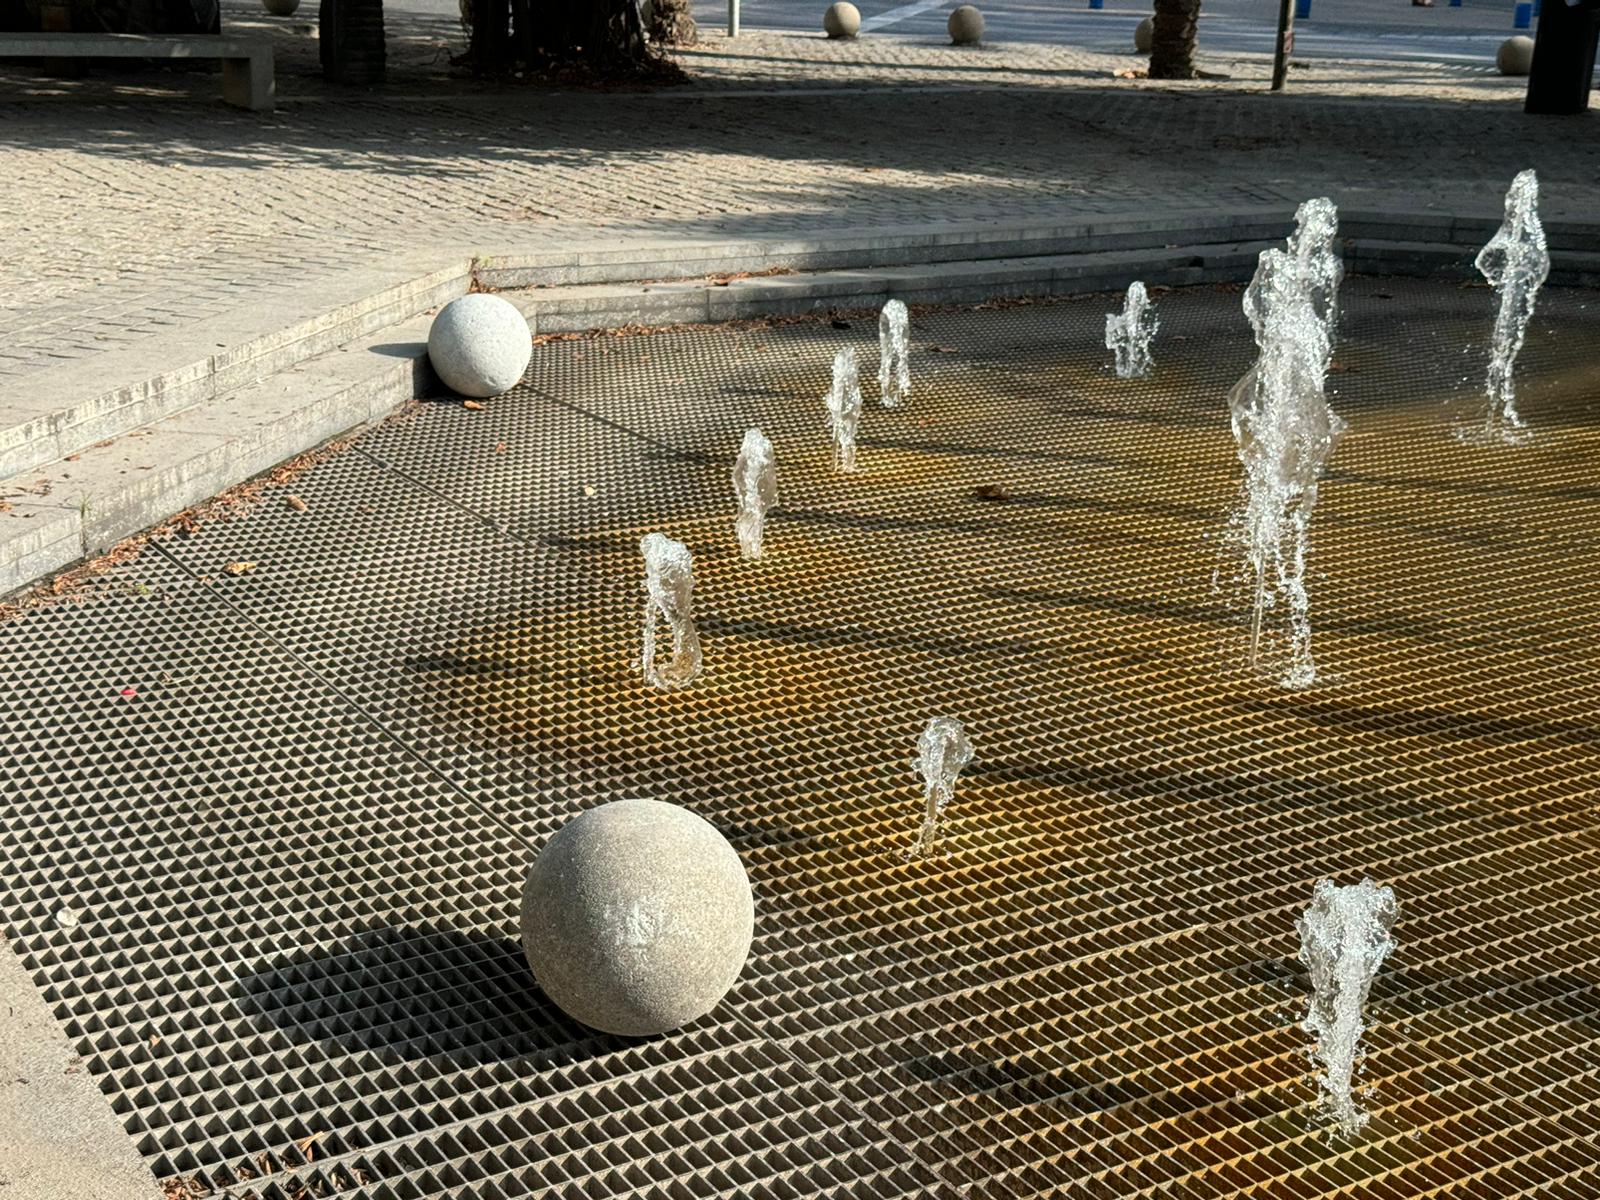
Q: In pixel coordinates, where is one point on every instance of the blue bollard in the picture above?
(1455, 3)
(1302, 10)
(1524, 17)
(1097, 3)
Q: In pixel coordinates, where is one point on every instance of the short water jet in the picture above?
(1516, 264)
(894, 355)
(669, 598)
(1344, 938)
(943, 751)
(755, 484)
(1129, 333)
(844, 409)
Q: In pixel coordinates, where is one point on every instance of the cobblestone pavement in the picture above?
(138, 206)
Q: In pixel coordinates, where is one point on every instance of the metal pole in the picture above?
(1285, 46)
(733, 18)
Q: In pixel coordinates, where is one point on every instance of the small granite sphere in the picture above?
(281, 8)
(1144, 35)
(842, 20)
(1515, 56)
(480, 345)
(965, 25)
(637, 917)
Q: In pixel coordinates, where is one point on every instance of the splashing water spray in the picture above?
(844, 409)
(755, 484)
(1285, 432)
(1321, 267)
(942, 751)
(894, 355)
(1128, 333)
(669, 598)
(1344, 938)
(1515, 262)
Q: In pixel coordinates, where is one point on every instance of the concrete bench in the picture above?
(246, 64)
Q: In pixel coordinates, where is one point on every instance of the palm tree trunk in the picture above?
(351, 40)
(1172, 43)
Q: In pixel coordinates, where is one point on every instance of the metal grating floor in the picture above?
(296, 851)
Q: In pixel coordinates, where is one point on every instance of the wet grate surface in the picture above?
(295, 852)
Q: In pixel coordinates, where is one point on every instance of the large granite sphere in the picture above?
(479, 345)
(965, 26)
(1515, 56)
(1144, 35)
(637, 917)
(281, 8)
(842, 20)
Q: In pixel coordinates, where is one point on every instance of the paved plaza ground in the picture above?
(145, 212)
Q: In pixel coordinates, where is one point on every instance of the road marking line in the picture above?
(896, 15)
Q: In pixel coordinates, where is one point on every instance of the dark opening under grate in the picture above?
(295, 852)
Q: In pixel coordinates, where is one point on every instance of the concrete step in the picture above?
(890, 246)
(1423, 259)
(609, 305)
(83, 504)
(51, 414)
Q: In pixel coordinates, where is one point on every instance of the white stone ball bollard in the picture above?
(1515, 56)
(1144, 35)
(637, 917)
(965, 26)
(480, 345)
(842, 20)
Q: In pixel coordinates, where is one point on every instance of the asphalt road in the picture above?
(1381, 30)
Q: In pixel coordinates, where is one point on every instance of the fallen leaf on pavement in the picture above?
(296, 503)
(991, 491)
(472, 404)
(239, 568)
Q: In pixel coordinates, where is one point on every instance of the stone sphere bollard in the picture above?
(1515, 56)
(637, 917)
(480, 345)
(842, 20)
(965, 26)
(281, 8)
(1144, 35)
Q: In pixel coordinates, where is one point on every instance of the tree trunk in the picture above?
(351, 41)
(602, 35)
(671, 24)
(1172, 43)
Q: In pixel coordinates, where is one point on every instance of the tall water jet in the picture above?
(1321, 267)
(1515, 262)
(844, 409)
(1344, 938)
(755, 484)
(669, 598)
(942, 752)
(1285, 432)
(894, 355)
(1128, 333)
